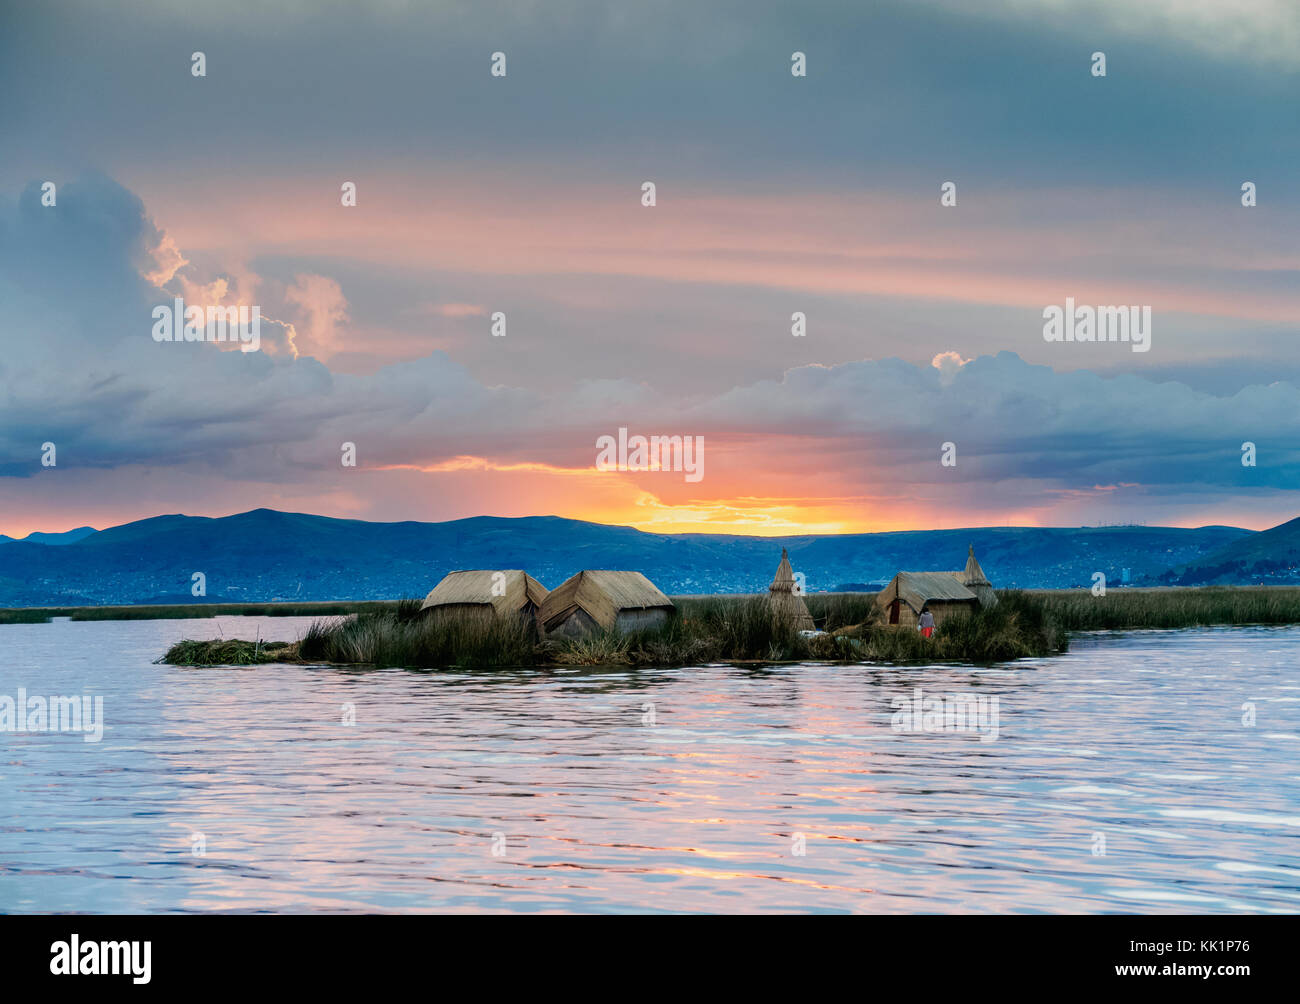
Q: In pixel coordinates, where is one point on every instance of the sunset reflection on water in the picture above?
(756, 790)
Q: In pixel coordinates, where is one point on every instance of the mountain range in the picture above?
(265, 555)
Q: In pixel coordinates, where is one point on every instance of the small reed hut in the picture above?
(787, 604)
(602, 599)
(945, 593)
(484, 594)
(973, 578)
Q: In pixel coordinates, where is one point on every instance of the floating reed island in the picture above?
(483, 618)
(490, 618)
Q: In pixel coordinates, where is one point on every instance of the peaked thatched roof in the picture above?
(916, 589)
(476, 588)
(783, 582)
(784, 601)
(973, 575)
(602, 593)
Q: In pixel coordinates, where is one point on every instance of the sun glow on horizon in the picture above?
(468, 485)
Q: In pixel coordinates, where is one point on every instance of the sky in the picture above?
(923, 393)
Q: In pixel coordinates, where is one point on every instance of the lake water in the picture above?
(661, 790)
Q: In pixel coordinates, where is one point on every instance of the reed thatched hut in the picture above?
(603, 599)
(786, 603)
(945, 593)
(973, 578)
(908, 593)
(484, 594)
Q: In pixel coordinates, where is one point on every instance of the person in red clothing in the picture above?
(926, 623)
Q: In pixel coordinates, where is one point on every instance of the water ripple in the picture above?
(1122, 779)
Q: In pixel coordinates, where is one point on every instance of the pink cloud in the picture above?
(455, 309)
(847, 243)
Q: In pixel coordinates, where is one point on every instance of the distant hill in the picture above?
(266, 555)
(67, 537)
(1271, 556)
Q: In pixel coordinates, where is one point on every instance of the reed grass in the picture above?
(401, 637)
(1079, 610)
(25, 616)
(230, 653)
